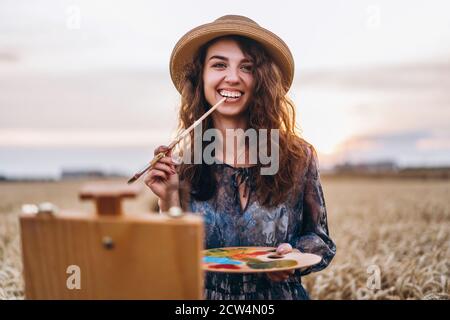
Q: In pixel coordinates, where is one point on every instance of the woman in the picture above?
(236, 58)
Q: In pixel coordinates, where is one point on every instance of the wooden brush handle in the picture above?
(161, 155)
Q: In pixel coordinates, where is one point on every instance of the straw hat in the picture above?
(188, 45)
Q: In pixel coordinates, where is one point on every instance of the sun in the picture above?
(326, 146)
(330, 147)
(327, 129)
(328, 142)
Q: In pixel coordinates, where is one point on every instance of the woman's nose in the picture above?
(232, 76)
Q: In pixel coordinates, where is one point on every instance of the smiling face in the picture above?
(228, 73)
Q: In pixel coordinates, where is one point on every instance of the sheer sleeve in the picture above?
(314, 237)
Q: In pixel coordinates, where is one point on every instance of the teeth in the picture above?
(230, 94)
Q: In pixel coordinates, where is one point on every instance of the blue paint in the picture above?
(221, 260)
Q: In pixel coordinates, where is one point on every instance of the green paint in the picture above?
(239, 254)
(216, 253)
(271, 264)
(251, 260)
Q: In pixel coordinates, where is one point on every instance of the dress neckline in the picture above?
(233, 167)
(239, 176)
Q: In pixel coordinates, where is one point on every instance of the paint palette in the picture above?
(255, 259)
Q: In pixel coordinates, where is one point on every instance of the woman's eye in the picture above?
(247, 68)
(219, 65)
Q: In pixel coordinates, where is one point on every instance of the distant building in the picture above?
(88, 173)
(76, 174)
(374, 167)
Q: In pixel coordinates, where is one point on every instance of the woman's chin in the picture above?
(230, 111)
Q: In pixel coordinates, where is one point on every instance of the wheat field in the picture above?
(392, 235)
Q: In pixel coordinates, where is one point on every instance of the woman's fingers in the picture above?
(168, 158)
(164, 167)
(280, 275)
(155, 175)
(160, 149)
(160, 171)
(168, 161)
(273, 277)
(284, 248)
(286, 274)
(163, 149)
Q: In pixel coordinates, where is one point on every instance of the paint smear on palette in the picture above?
(242, 256)
(238, 258)
(220, 260)
(225, 266)
(236, 253)
(271, 264)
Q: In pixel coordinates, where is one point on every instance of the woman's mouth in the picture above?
(231, 95)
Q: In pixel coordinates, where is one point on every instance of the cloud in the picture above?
(434, 143)
(397, 140)
(80, 138)
(415, 147)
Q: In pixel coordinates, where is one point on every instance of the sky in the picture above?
(371, 79)
(321, 34)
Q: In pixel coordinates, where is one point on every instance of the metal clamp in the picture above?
(175, 212)
(43, 208)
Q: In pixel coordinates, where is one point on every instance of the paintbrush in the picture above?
(183, 134)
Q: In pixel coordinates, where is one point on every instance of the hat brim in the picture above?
(189, 44)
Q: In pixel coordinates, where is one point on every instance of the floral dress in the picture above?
(301, 222)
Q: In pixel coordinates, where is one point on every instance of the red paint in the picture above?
(243, 256)
(257, 253)
(225, 266)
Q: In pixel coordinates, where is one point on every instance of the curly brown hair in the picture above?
(269, 108)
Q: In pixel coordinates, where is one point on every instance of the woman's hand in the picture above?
(163, 180)
(283, 248)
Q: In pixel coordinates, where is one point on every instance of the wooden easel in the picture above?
(117, 255)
